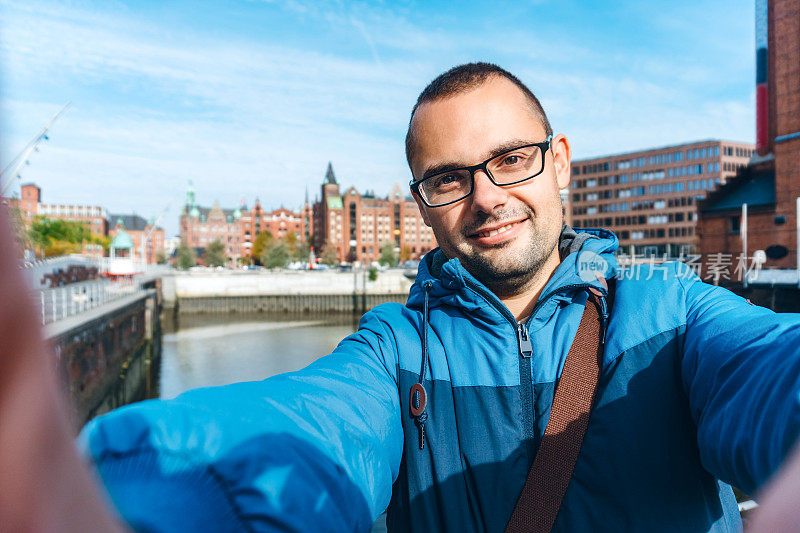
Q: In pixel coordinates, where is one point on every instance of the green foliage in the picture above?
(263, 240)
(292, 243)
(405, 253)
(387, 258)
(215, 254)
(373, 274)
(187, 257)
(57, 237)
(303, 251)
(161, 257)
(103, 241)
(329, 256)
(276, 255)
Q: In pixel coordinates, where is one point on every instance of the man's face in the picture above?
(464, 130)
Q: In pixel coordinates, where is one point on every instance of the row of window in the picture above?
(659, 159)
(71, 210)
(638, 220)
(676, 172)
(739, 152)
(691, 170)
(692, 185)
(650, 233)
(658, 233)
(644, 205)
(662, 188)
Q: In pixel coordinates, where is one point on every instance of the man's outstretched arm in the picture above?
(741, 371)
(44, 484)
(314, 450)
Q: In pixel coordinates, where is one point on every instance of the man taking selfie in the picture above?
(529, 383)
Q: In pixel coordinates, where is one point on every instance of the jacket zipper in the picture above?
(525, 351)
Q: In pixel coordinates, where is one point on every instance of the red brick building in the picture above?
(357, 225)
(200, 226)
(770, 184)
(30, 204)
(237, 228)
(649, 198)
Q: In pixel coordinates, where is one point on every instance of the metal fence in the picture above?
(63, 302)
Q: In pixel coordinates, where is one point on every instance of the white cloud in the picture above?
(155, 106)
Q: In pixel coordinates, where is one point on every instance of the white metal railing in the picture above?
(70, 300)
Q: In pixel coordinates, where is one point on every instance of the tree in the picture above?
(276, 255)
(57, 237)
(102, 240)
(329, 256)
(387, 258)
(373, 274)
(405, 253)
(187, 257)
(292, 243)
(303, 251)
(263, 239)
(215, 254)
(161, 257)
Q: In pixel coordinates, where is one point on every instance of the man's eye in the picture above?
(511, 160)
(445, 180)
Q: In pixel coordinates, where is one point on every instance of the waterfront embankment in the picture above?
(285, 291)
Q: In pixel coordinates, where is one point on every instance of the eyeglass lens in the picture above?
(507, 168)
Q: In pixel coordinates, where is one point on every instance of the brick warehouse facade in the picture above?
(357, 225)
(334, 221)
(649, 198)
(770, 185)
(236, 228)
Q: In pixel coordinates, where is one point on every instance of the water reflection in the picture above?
(209, 350)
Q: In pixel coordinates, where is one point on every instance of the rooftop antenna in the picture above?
(14, 166)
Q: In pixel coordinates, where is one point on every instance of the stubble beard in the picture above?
(508, 268)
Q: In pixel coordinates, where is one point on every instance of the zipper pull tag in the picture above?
(525, 347)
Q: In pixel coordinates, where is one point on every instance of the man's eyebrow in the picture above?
(494, 152)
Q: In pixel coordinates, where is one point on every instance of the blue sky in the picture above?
(252, 98)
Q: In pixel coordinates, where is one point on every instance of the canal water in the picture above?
(209, 350)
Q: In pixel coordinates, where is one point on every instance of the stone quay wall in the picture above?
(292, 292)
(106, 356)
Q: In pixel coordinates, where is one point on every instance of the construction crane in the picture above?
(149, 233)
(13, 168)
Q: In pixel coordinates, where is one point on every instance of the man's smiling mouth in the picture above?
(497, 233)
(494, 230)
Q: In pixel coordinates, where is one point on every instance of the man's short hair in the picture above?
(463, 78)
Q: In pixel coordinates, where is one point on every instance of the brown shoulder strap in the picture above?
(552, 468)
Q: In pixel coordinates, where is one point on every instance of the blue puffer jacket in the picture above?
(698, 389)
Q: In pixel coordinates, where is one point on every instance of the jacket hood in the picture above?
(584, 254)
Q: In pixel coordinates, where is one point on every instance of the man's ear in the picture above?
(422, 209)
(560, 149)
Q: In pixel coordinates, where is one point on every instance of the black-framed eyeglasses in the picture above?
(509, 168)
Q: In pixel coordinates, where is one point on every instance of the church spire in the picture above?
(330, 178)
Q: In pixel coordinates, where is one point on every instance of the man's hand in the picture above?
(779, 509)
(44, 484)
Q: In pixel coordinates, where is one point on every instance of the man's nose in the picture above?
(486, 196)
